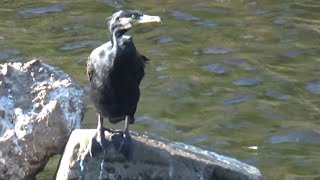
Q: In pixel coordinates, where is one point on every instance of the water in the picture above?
(224, 75)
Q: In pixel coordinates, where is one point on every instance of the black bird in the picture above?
(115, 70)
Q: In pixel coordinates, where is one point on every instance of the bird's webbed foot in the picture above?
(122, 141)
(99, 142)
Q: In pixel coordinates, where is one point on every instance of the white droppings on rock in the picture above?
(5, 123)
(62, 95)
(4, 70)
(2, 160)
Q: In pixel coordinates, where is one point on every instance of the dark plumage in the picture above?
(115, 70)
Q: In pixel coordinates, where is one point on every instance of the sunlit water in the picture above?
(240, 78)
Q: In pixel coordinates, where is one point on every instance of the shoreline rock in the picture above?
(153, 158)
(39, 107)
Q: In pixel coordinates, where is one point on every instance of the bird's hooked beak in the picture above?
(128, 22)
(147, 19)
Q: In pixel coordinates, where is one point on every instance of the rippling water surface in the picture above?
(225, 75)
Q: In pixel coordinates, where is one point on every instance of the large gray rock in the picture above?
(153, 158)
(39, 107)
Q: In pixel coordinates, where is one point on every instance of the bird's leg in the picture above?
(101, 136)
(99, 141)
(100, 127)
(126, 126)
(122, 141)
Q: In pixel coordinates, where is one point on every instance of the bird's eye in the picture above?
(133, 16)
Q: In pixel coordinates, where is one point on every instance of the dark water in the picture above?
(240, 78)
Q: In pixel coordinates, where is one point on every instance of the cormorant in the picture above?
(115, 70)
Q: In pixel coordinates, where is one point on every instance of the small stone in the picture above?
(38, 11)
(314, 87)
(206, 23)
(216, 68)
(184, 16)
(214, 50)
(248, 36)
(294, 53)
(278, 96)
(161, 68)
(279, 21)
(237, 99)
(165, 39)
(241, 63)
(251, 81)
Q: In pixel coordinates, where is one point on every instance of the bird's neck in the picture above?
(115, 37)
(116, 34)
(118, 39)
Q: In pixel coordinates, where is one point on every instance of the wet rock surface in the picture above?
(216, 68)
(39, 107)
(152, 158)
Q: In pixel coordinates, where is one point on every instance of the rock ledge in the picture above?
(153, 158)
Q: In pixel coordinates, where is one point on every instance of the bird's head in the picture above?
(124, 20)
